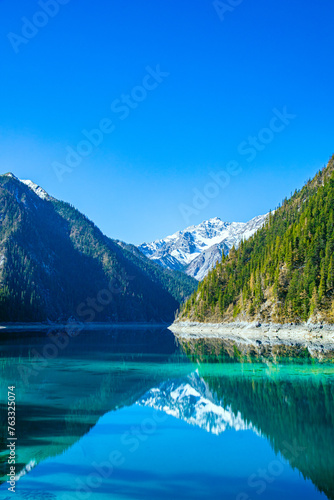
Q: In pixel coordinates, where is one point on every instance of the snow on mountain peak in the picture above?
(41, 193)
(196, 249)
(9, 174)
(37, 189)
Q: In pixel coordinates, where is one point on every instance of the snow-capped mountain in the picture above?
(37, 189)
(190, 400)
(196, 249)
(62, 257)
(34, 187)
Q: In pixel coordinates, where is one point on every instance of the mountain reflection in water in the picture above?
(98, 392)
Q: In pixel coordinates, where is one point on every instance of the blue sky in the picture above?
(224, 77)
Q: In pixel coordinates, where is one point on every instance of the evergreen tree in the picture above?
(286, 270)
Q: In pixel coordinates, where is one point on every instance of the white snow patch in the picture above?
(196, 249)
(37, 189)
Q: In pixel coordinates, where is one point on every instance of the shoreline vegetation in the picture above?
(284, 273)
(314, 340)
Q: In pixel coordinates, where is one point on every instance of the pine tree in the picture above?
(322, 284)
(289, 261)
(330, 275)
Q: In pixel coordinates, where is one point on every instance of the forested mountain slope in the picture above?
(197, 249)
(55, 264)
(285, 272)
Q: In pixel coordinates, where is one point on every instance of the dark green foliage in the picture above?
(297, 418)
(178, 284)
(56, 264)
(285, 271)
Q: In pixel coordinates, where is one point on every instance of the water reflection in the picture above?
(59, 398)
(74, 407)
(291, 403)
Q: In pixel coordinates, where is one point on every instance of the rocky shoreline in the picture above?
(317, 339)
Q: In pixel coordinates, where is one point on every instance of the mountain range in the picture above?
(197, 249)
(191, 400)
(55, 264)
(285, 272)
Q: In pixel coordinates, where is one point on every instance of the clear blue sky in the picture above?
(225, 78)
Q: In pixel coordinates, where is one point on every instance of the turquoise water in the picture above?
(128, 415)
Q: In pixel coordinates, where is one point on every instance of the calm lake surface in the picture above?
(131, 414)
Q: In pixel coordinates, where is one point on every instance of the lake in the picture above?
(137, 414)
